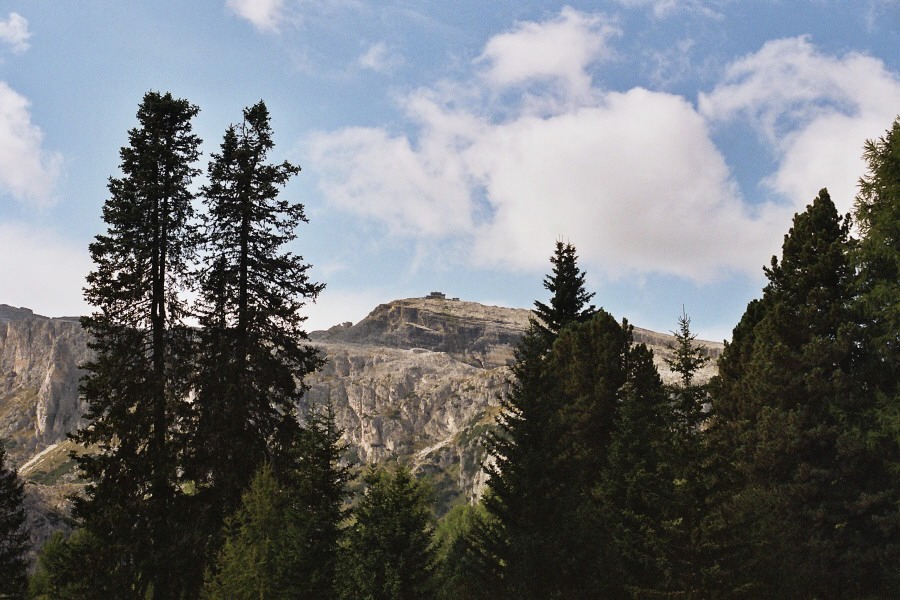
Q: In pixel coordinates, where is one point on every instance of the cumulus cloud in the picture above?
(379, 58)
(809, 107)
(633, 178)
(41, 271)
(557, 52)
(265, 15)
(14, 31)
(27, 172)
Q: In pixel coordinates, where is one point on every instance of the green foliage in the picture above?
(801, 508)
(13, 534)
(63, 573)
(251, 561)
(456, 553)
(524, 445)
(388, 554)
(283, 541)
(251, 352)
(136, 386)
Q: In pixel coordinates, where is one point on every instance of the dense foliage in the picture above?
(780, 478)
(13, 535)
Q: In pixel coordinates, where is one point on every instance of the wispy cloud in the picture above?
(265, 15)
(665, 8)
(813, 109)
(27, 172)
(380, 58)
(14, 32)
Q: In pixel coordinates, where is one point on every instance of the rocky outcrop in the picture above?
(480, 335)
(39, 374)
(418, 381)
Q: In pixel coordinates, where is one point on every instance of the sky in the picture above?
(446, 146)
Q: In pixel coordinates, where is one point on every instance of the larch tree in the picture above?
(136, 386)
(252, 354)
(876, 427)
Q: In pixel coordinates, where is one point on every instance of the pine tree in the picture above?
(136, 385)
(252, 356)
(283, 541)
(690, 458)
(13, 534)
(521, 447)
(389, 555)
(800, 484)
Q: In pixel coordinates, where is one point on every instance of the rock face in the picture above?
(39, 374)
(417, 381)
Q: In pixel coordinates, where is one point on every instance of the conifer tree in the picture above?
(389, 555)
(800, 488)
(136, 384)
(283, 540)
(877, 306)
(690, 457)
(636, 492)
(13, 534)
(252, 356)
(522, 446)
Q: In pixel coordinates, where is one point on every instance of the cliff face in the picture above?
(39, 374)
(417, 381)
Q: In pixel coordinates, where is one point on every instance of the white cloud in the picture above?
(265, 15)
(557, 52)
(633, 179)
(379, 58)
(335, 307)
(41, 271)
(14, 31)
(814, 110)
(27, 171)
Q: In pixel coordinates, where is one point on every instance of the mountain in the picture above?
(418, 381)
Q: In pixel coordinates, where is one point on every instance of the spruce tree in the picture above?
(389, 555)
(638, 511)
(252, 354)
(136, 385)
(521, 447)
(690, 458)
(13, 534)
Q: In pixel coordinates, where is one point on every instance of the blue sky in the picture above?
(447, 146)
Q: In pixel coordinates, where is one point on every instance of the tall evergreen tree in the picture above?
(252, 356)
(637, 489)
(521, 447)
(876, 428)
(317, 495)
(136, 385)
(13, 534)
(389, 555)
(690, 459)
(800, 485)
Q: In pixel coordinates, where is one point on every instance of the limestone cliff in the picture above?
(417, 381)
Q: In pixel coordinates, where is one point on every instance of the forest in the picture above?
(779, 478)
